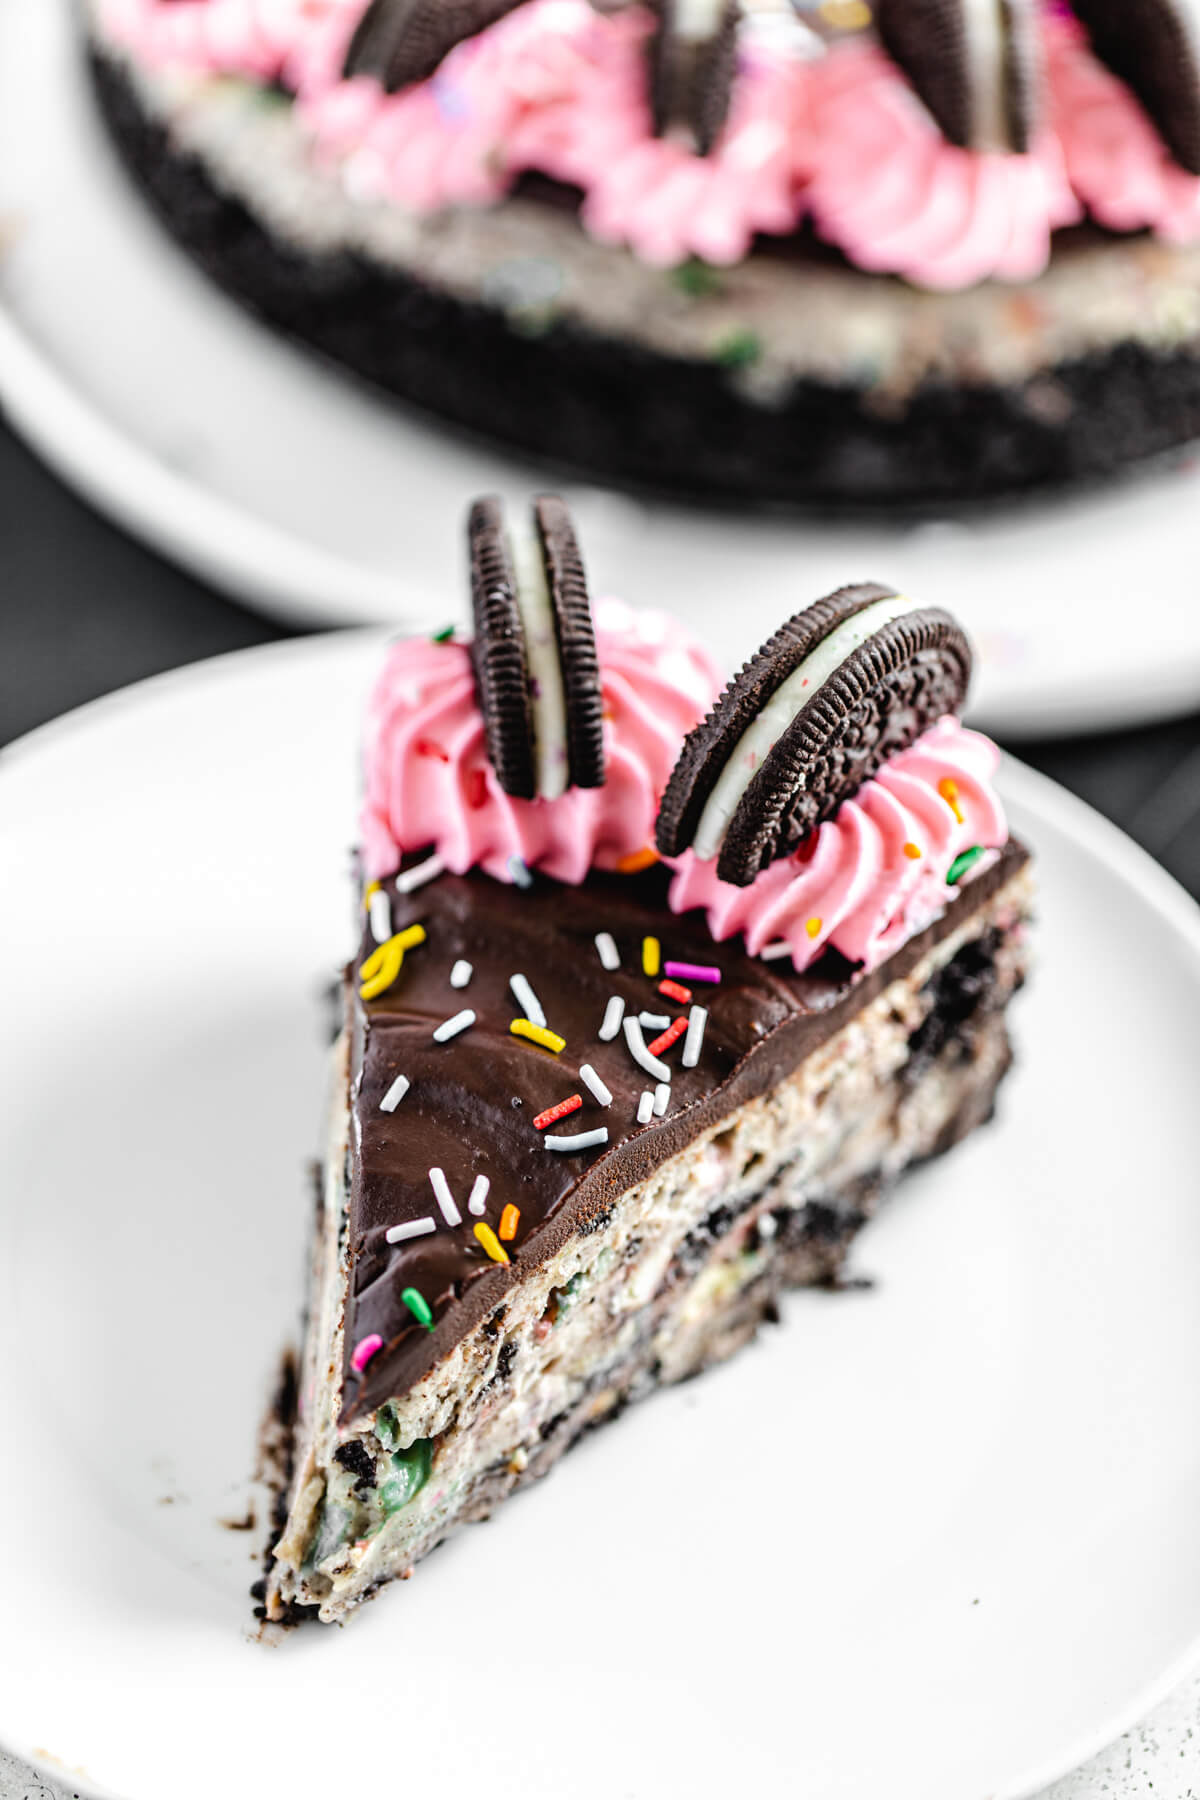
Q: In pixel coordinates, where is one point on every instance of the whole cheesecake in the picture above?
(731, 248)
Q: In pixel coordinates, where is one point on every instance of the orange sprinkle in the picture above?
(636, 861)
(912, 852)
(813, 928)
(491, 1243)
(510, 1218)
(948, 789)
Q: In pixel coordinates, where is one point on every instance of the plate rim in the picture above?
(1080, 823)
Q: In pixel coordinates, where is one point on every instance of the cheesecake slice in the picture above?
(593, 1110)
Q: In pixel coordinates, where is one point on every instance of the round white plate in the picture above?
(937, 1540)
(280, 480)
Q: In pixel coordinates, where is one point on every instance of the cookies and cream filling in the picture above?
(547, 696)
(986, 37)
(789, 698)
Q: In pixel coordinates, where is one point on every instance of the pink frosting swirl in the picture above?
(895, 196)
(1116, 161)
(853, 875)
(429, 783)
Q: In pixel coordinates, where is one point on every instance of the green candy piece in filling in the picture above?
(410, 1472)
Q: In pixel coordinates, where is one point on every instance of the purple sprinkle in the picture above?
(692, 972)
(364, 1350)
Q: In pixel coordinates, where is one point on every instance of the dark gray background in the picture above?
(85, 609)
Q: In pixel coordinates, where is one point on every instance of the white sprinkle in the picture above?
(445, 1198)
(461, 973)
(527, 1000)
(594, 1084)
(412, 1228)
(416, 877)
(767, 1226)
(395, 1094)
(380, 908)
(479, 1194)
(692, 1043)
(606, 949)
(519, 870)
(662, 1098)
(653, 1021)
(582, 1140)
(774, 952)
(645, 1107)
(450, 1028)
(641, 1055)
(614, 1012)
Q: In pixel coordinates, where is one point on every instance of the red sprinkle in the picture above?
(476, 789)
(674, 991)
(554, 1113)
(427, 747)
(671, 1035)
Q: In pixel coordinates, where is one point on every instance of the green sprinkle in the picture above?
(961, 864)
(696, 278)
(444, 635)
(410, 1472)
(418, 1306)
(738, 349)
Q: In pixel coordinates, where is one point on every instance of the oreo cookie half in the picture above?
(841, 687)
(402, 41)
(1154, 46)
(693, 60)
(536, 669)
(973, 63)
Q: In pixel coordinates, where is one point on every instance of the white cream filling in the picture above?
(548, 701)
(983, 24)
(757, 741)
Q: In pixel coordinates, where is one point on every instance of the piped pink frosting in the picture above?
(852, 874)
(428, 781)
(895, 196)
(1116, 161)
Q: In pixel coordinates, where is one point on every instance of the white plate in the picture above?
(281, 481)
(936, 1541)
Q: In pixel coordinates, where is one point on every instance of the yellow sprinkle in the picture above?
(813, 928)
(381, 968)
(846, 15)
(372, 887)
(948, 789)
(537, 1034)
(912, 852)
(651, 955)
(491, 1243)
(636, 861)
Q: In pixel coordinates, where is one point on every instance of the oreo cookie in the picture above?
(536, 669)
(1154, 46)
(841, 687)
(693, 61)
(402, 41)
(973, 63)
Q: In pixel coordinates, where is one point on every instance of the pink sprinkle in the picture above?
(364, 1350)
(693, 972)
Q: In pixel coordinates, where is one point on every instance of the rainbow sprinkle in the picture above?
(582, 1140)
(813, 927)
(962, 863)
(684, 971)
(673, 991)
(410, 879)
(411, 1228)
(418, 1306)
(537, 1034)
(775, 952)
(526, 999)
(948, 789)
(641, 1054)
(645, 1107)
(510, 1218)
(913, 852)
(364, 1350)
(662, 1098)
(461, 973)
(450, 1028)
(654, 1021)
(606, 950)
(594, 1084)
(636, 861)
(491, 1243)
(395, 1094)
(670, 1036)
(445, 1199)
(651, 955)
(379, 909)
(614, 1012)
(518, 868)
(478, 1196)
(553, 1114)
(693, 1043)
(380, 969)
